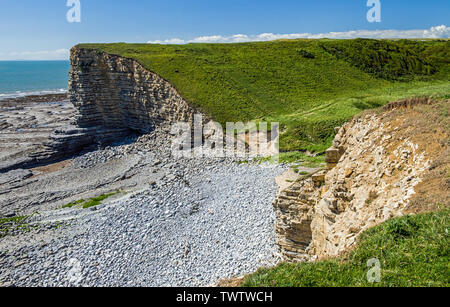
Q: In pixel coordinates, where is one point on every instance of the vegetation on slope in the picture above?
(412, 250)
(308, 86)
(403, 60)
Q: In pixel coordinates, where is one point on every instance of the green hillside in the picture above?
(309, 86)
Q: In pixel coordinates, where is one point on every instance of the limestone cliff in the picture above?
(114, 92)
(377, 162)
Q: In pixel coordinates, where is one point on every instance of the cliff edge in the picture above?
(382, 165)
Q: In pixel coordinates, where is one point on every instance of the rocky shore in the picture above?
(214, 222)
(175, 222)
(27, 125)
(160, 220)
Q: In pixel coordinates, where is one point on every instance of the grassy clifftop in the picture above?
(309, 86)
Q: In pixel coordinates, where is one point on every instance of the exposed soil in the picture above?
(51, 168)
(433, 193)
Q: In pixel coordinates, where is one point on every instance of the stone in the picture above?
(348, 172)
(293, 220)
(318, 178)
(330, 166)
(332, 155)
(19, 263)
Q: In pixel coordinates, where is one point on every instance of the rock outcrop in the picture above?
(113, 92)
(36, 130)
(375, 164)
(294, 209)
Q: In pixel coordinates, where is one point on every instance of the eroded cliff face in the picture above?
(374, 166)
(114, 92)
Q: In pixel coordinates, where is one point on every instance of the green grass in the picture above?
(308, 86)
(299, 158)
(412, 250)
(8, 224)
(74, 203)
(404, 60)
(92, 202)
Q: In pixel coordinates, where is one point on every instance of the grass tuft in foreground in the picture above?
(7, 225)
(412, 250)
(299, 158)
(95, 201)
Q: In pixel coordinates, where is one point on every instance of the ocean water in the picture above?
(22, 78)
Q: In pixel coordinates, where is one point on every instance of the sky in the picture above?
(39, 30)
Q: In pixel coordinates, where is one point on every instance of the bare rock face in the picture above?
(373, 182)
(294, 209)
(375, 164)
(113, 92)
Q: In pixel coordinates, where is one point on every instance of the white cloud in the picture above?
(438, 32)
(208, 39)
(60, 54)
(168, 41)
(434, 32)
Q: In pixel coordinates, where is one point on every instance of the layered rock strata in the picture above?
(375, 164)
(37, 129)
(113, 92)
(295, 210)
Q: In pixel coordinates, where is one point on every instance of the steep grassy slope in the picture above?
(309, 86)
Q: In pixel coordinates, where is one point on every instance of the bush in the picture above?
(305, 54)
(390, 60)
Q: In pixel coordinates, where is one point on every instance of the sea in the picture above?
(24, 78)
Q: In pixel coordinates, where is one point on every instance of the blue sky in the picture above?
(31, 29)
